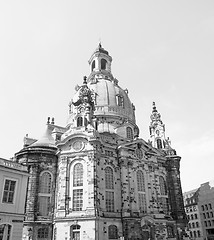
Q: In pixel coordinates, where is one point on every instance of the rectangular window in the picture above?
(44, 205)
(110, 201)
(5, 231)
(77, 199)
(76, 235)
(42, 233)
(9, 190)
(142, 202)
(164, 204)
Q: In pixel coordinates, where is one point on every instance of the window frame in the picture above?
(109, 201)
(14, 191)
(109, 178)
(46, 195)
(112, 232)
(7, 234)
(76, 193)
(129, 133)
(74, 231)
(42, 233)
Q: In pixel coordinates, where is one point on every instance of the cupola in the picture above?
(100, 60)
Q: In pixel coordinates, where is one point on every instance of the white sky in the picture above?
(162, 51)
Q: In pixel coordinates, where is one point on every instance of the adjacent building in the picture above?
(199, 207)
(95, 178)
(13, 187)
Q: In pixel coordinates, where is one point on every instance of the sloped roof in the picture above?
(46, 140)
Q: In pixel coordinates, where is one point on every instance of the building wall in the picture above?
(12, 213)
(206, 206)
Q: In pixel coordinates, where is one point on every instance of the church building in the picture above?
(95, 179)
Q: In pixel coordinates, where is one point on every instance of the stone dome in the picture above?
(101, 98)
(111, 100)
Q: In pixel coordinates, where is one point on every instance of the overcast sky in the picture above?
(162, 51)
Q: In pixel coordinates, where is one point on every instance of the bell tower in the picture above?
(157, 130)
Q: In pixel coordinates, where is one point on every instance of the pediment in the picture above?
(141, 144)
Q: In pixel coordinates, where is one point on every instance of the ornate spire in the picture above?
(157, 132)
(157, 129)
(155, 116)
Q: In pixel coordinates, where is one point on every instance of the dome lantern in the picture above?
(100, 60)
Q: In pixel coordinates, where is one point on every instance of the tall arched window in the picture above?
(129, 133)
(112, 232)
(163, 199)
(79, 122)
(109, 179)
(77, 187)
(141, 191)
(159, 143)
(45, 185)
(163, 190)
(140, 181)
(78, 175)
(103, 64)
(93, 65)
(45, 182)
(109, 184)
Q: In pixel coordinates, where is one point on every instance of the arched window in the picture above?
(45, 182)
(5, 231)
(141, 191)
(109, 179)
(163, 190)
(103, 64)
(42, 233)
(129, 133)
(159, 143)
(45, 185)
(75, 232)
(93, 65)
(77, 187)
(79, 122)
(140, 181)
(112, 232)
(109, 184)
(78, 175)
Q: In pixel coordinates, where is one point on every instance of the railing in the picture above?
(11, 164)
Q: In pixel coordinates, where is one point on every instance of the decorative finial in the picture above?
(52, 120)
(154, 107)
(48, 122)
(100, 45)
(84, 80)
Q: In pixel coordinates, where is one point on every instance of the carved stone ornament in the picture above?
(78, 145)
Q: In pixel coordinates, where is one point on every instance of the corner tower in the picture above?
(157, 130)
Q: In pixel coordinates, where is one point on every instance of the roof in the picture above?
(46, 140)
